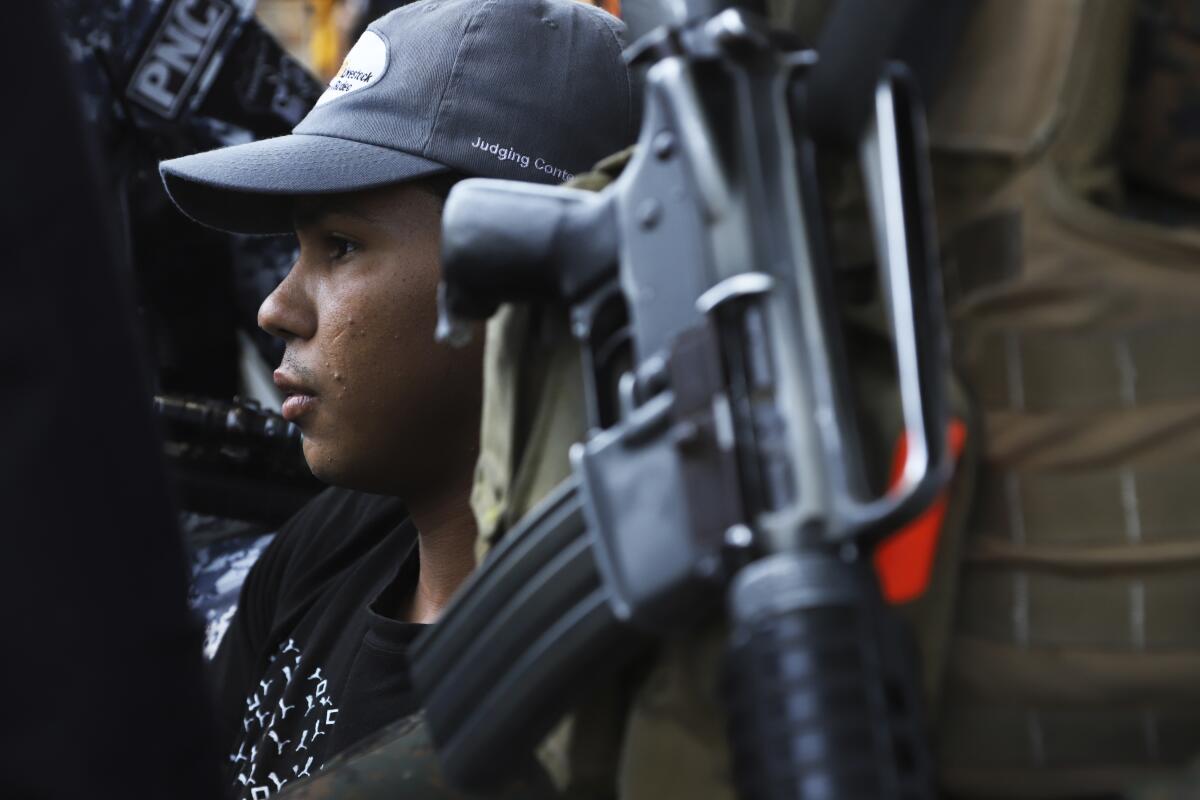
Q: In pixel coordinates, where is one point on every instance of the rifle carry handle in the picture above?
(895, 168)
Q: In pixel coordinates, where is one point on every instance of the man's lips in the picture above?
(297, 405)
(300, 399)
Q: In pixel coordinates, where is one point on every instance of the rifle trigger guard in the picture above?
(736, 287)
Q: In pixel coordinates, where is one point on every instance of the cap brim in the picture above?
(249, 188)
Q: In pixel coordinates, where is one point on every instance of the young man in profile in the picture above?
(522, 89)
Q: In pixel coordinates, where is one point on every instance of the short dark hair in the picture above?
(441, 183)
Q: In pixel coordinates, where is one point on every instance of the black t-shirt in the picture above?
(314, 660)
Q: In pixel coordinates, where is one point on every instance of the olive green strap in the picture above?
(1062, 370)
(1139, 511)
(1033, 721)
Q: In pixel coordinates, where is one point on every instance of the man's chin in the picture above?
(336, 468)
(324, 464)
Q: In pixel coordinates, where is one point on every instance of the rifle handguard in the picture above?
(820, 687)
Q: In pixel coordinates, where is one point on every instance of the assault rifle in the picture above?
(725, 473)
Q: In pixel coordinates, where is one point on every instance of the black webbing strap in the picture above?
(857, 37)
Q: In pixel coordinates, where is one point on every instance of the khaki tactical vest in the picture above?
(1073, 666)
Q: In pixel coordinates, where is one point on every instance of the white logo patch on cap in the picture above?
(363, 66)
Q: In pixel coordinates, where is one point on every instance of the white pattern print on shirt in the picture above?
(267, 707)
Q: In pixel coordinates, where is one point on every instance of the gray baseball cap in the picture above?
(521, 89)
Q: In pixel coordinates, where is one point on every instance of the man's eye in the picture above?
(340, 247)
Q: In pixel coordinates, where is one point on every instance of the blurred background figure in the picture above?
(162, 78)
(102, 674)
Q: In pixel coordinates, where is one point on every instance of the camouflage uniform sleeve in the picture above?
(239, 659)
(234, 668)
(401, 762)
(1185, 785)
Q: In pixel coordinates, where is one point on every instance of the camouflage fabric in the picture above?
(1183, 786)
(197, 288)
(801, 17)
(398, 762)
(1160, 146)
(220, 554)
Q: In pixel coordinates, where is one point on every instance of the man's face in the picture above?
(382, 407)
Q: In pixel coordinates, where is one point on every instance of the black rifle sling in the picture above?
(930, 41)
(859, 36)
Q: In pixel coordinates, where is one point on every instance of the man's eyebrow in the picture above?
(306, 214)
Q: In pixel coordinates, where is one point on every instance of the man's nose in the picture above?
(286, 313)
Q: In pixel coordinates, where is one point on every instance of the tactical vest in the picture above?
(1073, 664)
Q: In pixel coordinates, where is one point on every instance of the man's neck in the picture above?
(446, 546)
